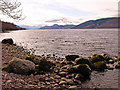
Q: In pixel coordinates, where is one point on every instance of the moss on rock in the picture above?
(101, 65)
(34, 59)
(83, 69)
(117, 65)
(97, 58)
(71, 57)
(44, 65)
(83, 61)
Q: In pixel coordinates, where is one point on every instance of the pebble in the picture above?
(57, 77)
(73, 87)
(63, 74)
(62, 82)
(70, 82)
(8, 81)
(64, 79)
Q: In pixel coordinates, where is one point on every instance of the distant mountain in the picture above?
(31, 27)
(6, 26)
(56, 26)
(99, 23)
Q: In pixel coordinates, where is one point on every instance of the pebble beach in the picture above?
(58, 77)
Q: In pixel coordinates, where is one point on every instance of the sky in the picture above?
(49, 12)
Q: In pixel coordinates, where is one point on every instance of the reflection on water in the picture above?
(81, 42)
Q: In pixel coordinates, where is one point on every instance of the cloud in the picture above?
(66, 11)
(61, 20)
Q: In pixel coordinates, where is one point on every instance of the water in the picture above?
(83, 42)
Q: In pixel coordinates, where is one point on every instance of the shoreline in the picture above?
(45, 80)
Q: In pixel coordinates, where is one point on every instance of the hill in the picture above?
(6, 26)
(99, 23)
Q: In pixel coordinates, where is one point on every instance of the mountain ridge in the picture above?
(56, 26)
(99, 23)
(111, 22)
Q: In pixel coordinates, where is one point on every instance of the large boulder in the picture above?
(97, 58)
(20, 66)
(83, 69)
(71, 57)
(101, 65)
(83, 61)
(7, 41)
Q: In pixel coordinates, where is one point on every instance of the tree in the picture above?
(11, 9)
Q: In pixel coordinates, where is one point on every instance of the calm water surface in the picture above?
(61, 42)
(83, 42)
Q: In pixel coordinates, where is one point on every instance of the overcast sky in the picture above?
(49, 12)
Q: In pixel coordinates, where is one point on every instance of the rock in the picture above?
(62, 82)
(70, 62)
(97, 58)
(66, 66)
(100, 65)
(63, 79)
(44, 65)
(63, 62)
(115, 59)
(33, 58)
(7, 41)
(111, 61)
(83, 61)
(83, 69)
(63, 74)
(107, 58)
(117, 65)
(5, 67)
(110, 67)
(20, 66)
(69, 76)
(73, 87)
(9, 81)
(70, 82)
(57, 76)
(71, 57)
(79, 77)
